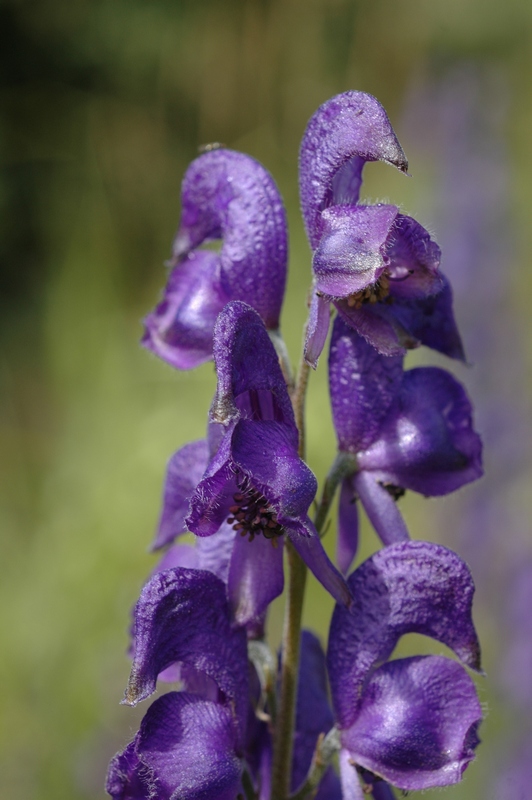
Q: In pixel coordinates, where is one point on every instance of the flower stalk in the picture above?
(267, 727)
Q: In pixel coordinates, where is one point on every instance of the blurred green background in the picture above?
(104, 103)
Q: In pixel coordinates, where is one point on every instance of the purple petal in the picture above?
(127, 778)
(412, 587)
(382, 791)
(427, 442)
(255, 577)
(417, 723)
(180, 329)
(311, 550)
(351, 786)
(182, 615)
(406, 323)
(351, 252)
(362, 385)
(183, 473)
(317, 328)
(342, 135)
(211, 553)
(176, 729)
(250, 381)
(267, 453)
(329, 788)
(313, 712)
(413, 259)
(381, 509)
(378, 326)
(347, 540)
(230, 196)
(429, 321)
(213, 496)
(214, 552)
(179, 555)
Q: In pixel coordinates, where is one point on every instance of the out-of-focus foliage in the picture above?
(104, 103)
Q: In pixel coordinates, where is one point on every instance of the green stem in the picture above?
(344, 465)
(326, 747)
(284, 729)
(284, 359)
(298, 402)
(282, 755)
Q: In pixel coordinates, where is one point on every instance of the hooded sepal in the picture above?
(180, 328)
(163, 760)
(410, 587)
(183, 616)
(341, 136)
(417, 723)
(229, 196)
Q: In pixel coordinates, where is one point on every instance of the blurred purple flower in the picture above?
(412, 721)
(402, 430)
(378, 266)
(229, 196)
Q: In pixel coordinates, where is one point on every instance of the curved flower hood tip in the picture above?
(379, 268)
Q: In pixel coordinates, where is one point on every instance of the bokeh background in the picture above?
(104, 103)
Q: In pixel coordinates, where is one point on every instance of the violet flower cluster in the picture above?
(241, 722)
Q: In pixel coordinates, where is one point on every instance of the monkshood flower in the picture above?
(377, 266)
(396, 430)
(229, 196)
(256, 481)
(412, 721)
(182, 619)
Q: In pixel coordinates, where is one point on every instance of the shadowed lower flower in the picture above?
(229, 196)
(255, 480)
(377, 266)
(182, 620)
(412, 721)
(396, 430)
(197, 743)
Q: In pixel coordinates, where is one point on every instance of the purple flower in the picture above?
(256, 481)
(396, 430)
(182, 619)
(229, 196)
(378, 266)
(412, 721)
(183, 622)
(313, 717)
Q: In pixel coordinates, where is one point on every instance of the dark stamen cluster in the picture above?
(395, 491)
(252, 515)
(371, 294)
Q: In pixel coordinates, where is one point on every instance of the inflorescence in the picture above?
(242, 723)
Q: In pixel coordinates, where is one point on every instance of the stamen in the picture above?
(371, 294)
(395, 491)
(252, 515)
